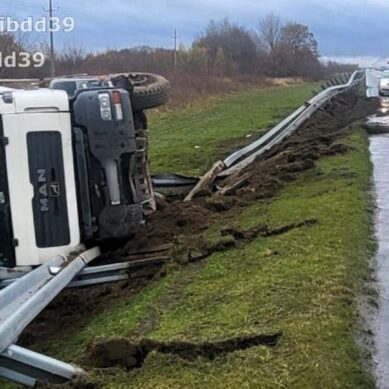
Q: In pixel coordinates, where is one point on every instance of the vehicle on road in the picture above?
(384, 84)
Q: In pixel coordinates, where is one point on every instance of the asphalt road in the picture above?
(379, 148)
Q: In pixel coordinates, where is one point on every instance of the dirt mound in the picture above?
(318, 137)
(174, 219)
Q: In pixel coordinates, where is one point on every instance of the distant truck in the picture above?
(74, 166)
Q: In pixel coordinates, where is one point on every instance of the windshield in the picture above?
(92, 84)
(385, 75)
(68, 86)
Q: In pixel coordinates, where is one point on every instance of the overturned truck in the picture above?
(74, 166)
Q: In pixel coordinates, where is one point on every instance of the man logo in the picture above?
(43, 190)
(46, 190)
(41, 175)
(55, 190)
(44, 203)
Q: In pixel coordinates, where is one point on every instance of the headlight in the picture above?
(105, 106)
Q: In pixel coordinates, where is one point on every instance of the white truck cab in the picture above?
(68, 172)
(37, 146)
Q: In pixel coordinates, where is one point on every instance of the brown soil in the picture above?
(197, 249)
(317, 138)
(110, 353)
(74, 308)
(128, 355)
(264, 231)
(184, 223)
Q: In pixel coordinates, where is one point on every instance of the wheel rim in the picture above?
(139, 79)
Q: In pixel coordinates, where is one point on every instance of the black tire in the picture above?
(148, 90)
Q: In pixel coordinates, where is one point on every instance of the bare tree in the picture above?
(71, 58)
(224, 49)
(299, 38)
(230, 48)
(270, 29)
(9, 45)
(299, 51)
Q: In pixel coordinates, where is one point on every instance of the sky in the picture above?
(350, 30)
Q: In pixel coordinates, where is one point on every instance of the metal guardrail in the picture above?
(26, 367)
(173, 180)
(94, 275)
(17, 80)
(25, 294)
(244, 157)
(20, 303)
(38, 80)
(247, 155)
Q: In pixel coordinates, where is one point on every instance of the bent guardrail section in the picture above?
(247, 155)
(20, 303)
(242, 158)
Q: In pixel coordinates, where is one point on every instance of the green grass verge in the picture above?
(188, 141)
(302, 283)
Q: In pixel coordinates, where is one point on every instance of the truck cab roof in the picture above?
(30, 101)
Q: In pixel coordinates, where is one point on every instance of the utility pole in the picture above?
(50, 10)
(175, 37)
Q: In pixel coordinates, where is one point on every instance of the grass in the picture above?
(188, 141)
(303, 283)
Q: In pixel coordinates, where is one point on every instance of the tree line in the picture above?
(223, 49)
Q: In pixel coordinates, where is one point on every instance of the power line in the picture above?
(50, 10)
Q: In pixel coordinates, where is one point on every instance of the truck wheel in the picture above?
(149, 90)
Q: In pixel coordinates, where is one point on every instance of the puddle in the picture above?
(379, 148)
